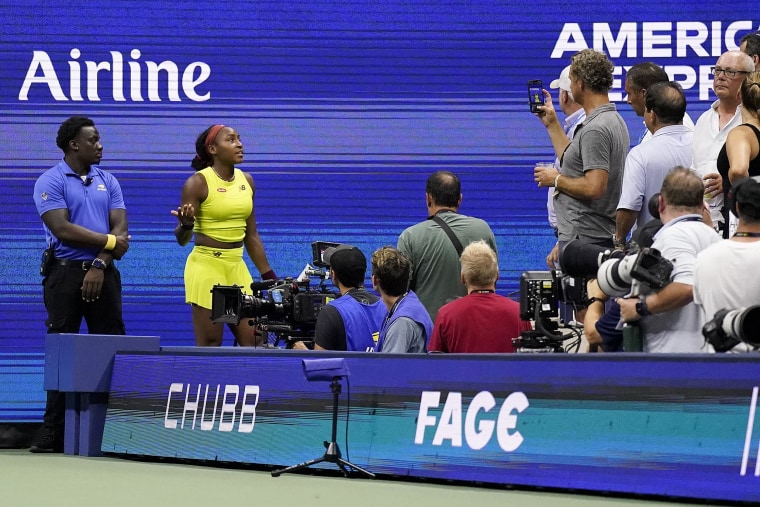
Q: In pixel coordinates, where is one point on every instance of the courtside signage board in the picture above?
(684, 426)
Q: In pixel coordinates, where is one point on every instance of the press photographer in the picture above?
(669, 319)
(602, 318)
(723, 293)
(353, 320)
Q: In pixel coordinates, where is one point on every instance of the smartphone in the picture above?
(535, 94)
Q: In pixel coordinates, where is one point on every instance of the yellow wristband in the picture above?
(110, 242)
(556, 190)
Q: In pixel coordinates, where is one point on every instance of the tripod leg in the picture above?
(276, 473)
(341, 462)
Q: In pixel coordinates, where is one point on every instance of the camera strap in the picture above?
(453, 237)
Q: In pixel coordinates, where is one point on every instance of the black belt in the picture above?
(72, 264)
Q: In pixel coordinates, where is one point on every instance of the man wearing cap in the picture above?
(750, 45)
(574, 115)
(737, 283)
(407, 327)
(433, 253)
(352, 321)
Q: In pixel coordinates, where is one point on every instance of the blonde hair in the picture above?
(480, 267)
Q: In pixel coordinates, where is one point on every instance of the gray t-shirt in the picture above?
(404, 336)
(436, 272)
(600, 142)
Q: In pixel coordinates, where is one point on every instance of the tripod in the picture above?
(332, 454)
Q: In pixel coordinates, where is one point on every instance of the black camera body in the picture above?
(287, 308)
(728, 329)
(580, 261)
(648, 266)
(540, 293)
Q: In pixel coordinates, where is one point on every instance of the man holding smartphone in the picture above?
(587, 190)
(574, 115)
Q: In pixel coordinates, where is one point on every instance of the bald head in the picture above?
(734, 62)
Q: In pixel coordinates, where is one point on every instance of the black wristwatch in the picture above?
(99, 263)
(641, 307)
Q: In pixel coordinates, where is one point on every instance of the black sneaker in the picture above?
(48, 441)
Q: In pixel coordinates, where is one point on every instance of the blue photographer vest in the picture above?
(362, 322)
(412, 308)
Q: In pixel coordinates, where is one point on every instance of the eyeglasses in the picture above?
(729, 73)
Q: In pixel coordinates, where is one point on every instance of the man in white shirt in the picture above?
(648, 163)
(670, 320)
(574, 115)
(737, 283)
(713, 126)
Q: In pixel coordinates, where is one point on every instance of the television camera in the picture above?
(727, 329)
(287, 308)
(539, 301)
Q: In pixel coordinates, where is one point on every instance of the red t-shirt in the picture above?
(478, 322)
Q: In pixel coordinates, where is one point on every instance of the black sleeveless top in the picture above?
(723, 165)
(754, 164)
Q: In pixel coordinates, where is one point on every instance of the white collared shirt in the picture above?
(709, 138)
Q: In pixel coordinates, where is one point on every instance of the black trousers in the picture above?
(66, 309)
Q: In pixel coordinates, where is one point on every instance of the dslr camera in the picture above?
(580, 261)
(616, 276)
(729, 328)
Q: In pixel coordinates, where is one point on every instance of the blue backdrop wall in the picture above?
(344, 110)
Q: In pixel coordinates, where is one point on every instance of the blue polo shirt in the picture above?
(89, 203)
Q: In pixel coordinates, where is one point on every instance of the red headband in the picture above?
(211, 136)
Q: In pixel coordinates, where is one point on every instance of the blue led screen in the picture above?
(344, 110)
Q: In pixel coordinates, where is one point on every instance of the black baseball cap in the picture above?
(348, 263)
(748, 196)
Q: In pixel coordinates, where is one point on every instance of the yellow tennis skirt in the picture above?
(206, 267)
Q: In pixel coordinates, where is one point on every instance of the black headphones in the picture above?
(734, 191)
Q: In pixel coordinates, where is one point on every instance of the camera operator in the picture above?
(407, 327)
(737, 282)
(671, 322)
(353, 320)
(600, 322)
